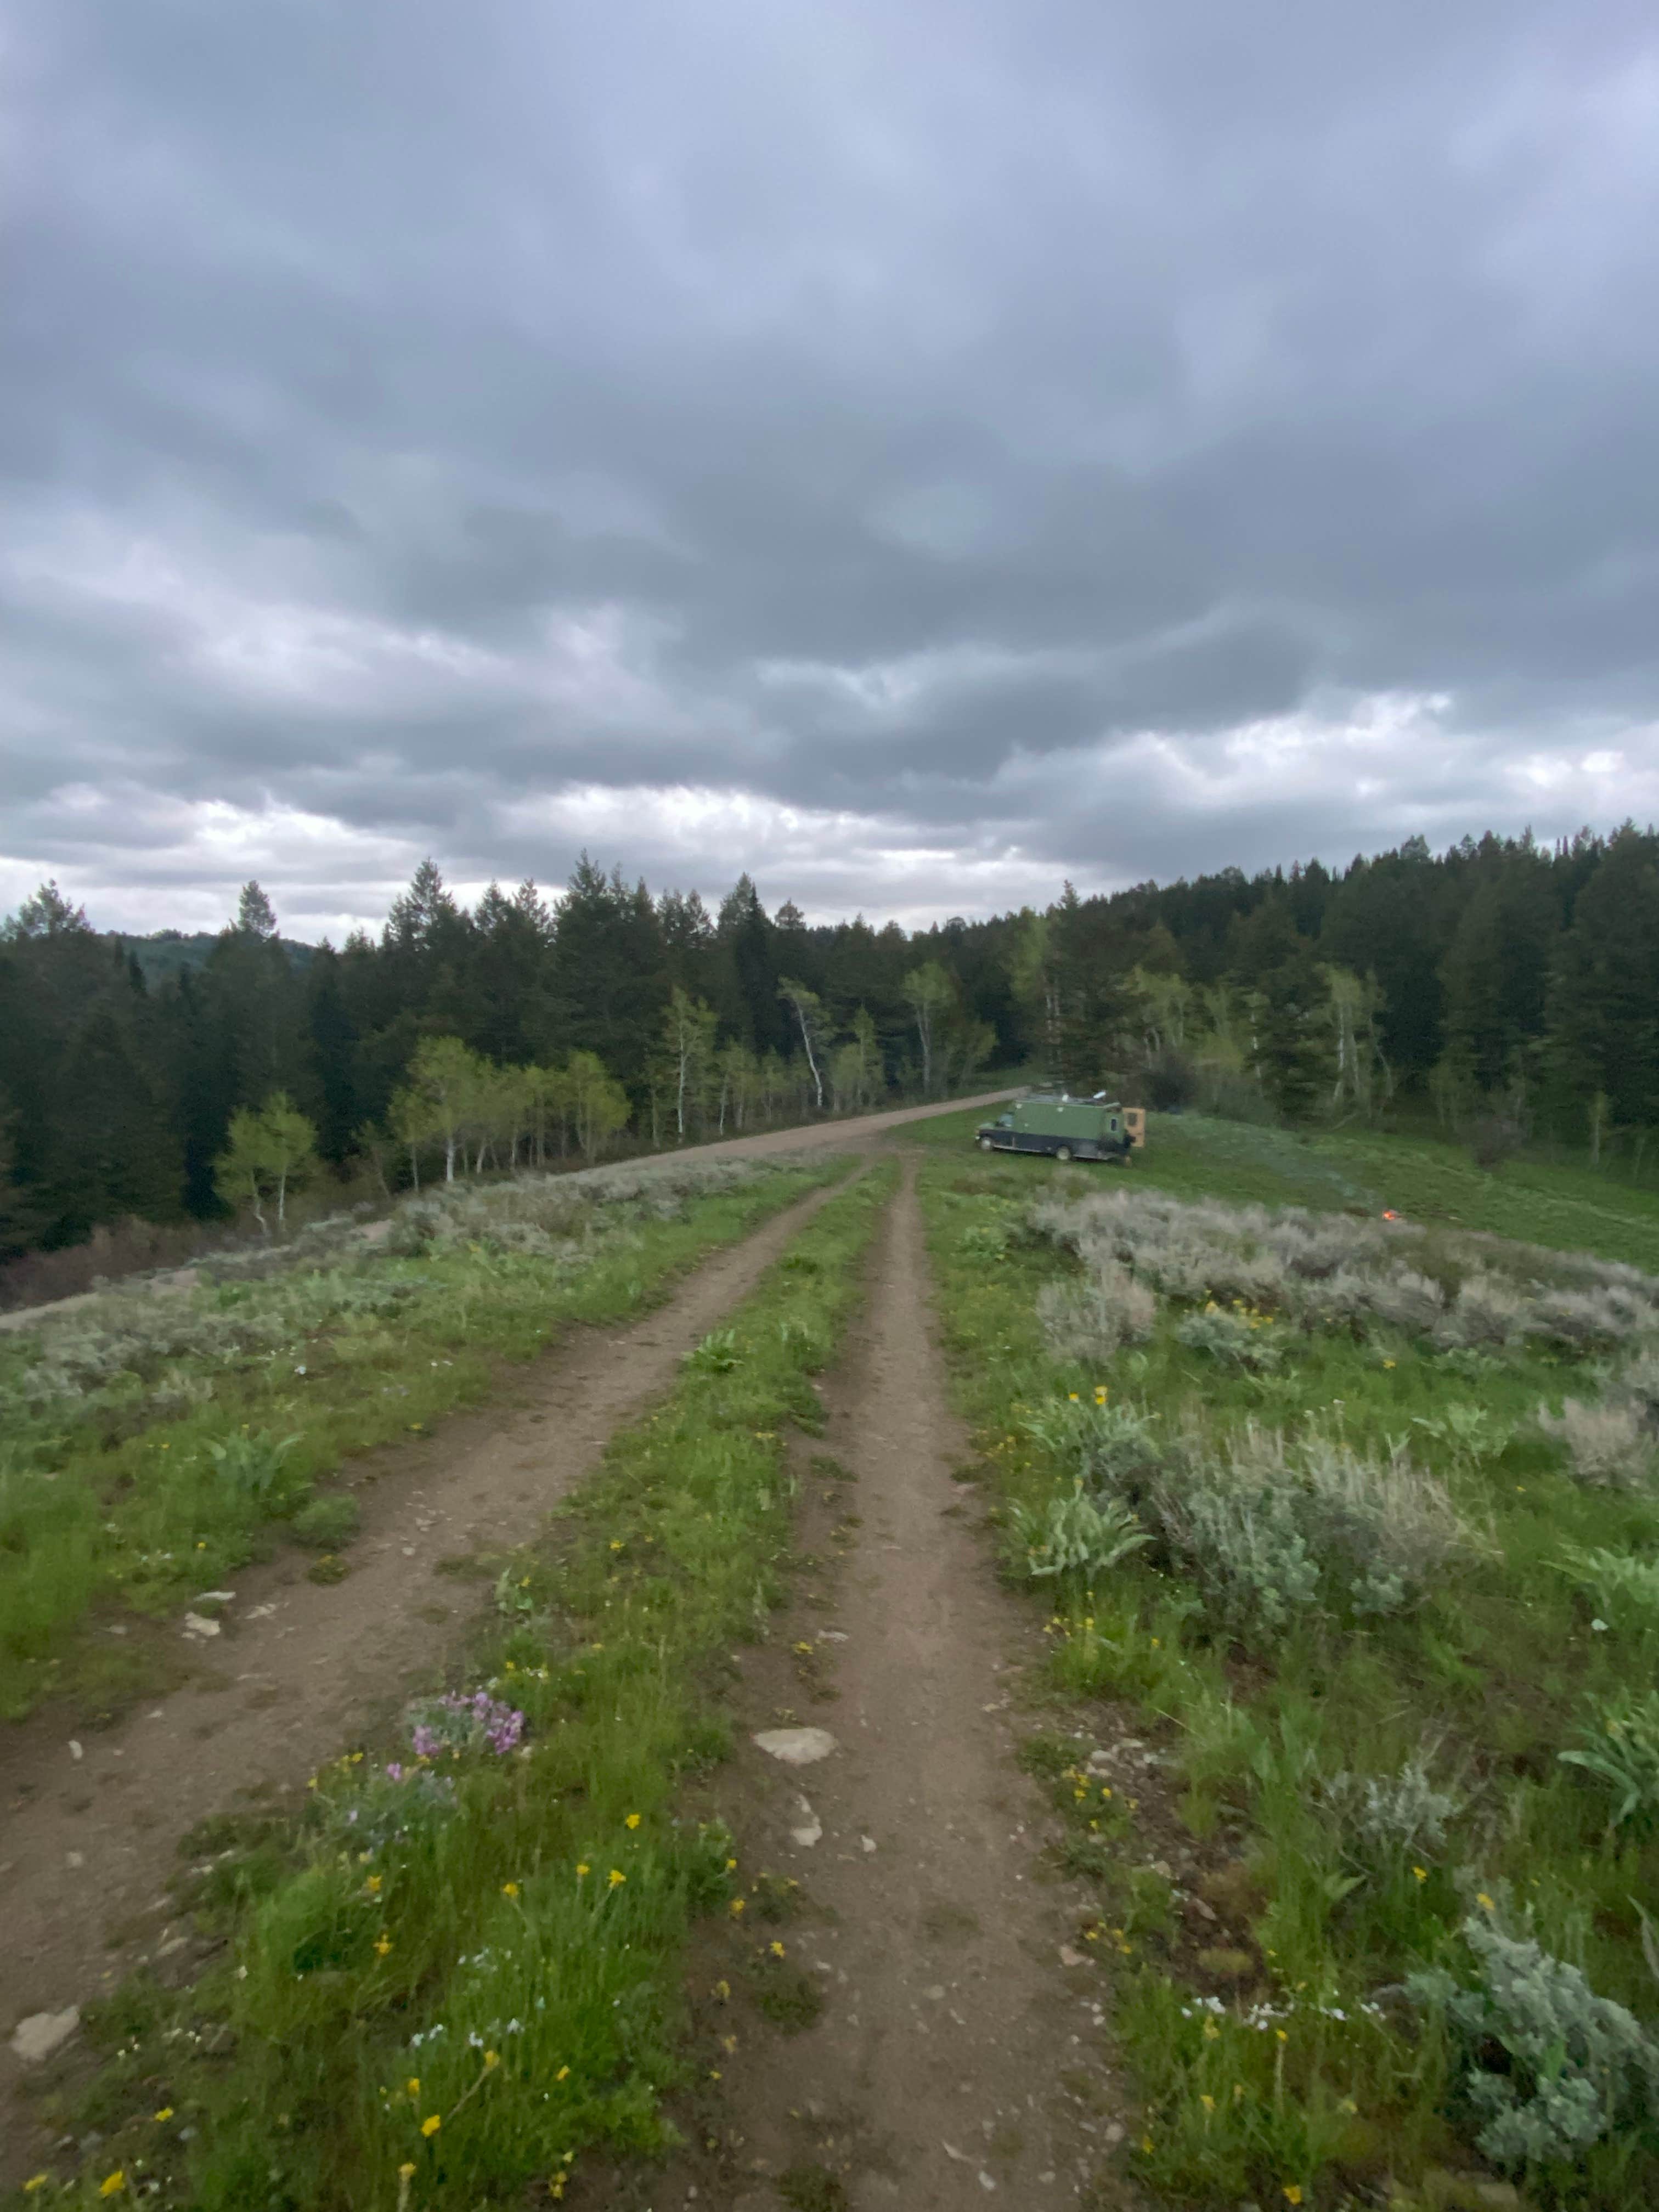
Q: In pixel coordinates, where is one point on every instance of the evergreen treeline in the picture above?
(1501, 981)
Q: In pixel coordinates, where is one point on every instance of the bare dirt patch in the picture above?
(916, 2037)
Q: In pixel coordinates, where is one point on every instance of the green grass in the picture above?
(1500, 1670)
(141, 1455)
(508, 1961)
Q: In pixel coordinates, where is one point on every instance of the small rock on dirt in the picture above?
(198, 1623)
(810, 1829)
(797, 1747)
(36, 2038)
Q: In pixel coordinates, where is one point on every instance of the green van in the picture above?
(1065, 1128)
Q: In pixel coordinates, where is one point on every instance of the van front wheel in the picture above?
(1063, 1154)
(985, 1144)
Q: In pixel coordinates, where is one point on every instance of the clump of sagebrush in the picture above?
(551, 1217)
(1091, 1320)
(1607, 1443)
(130, 1343)
(1346, 1273)
(1111, 1449)
(1236, 1340)
(1553, 2068)
(1272, 1530)
(1386, 1822)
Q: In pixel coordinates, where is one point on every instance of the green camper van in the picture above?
(1065, 1128)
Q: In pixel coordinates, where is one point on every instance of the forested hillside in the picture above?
(1500, 983)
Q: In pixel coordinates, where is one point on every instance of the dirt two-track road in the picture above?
(957, 2056)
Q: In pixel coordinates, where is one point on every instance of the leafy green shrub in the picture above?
(1623, 1588)
(716, 1355)
(1235, 1339)
(252, 1464)
(328, 1521)
(1577, 2068)
(1072, 1534)
(1468, 1431)
(1620, 1748)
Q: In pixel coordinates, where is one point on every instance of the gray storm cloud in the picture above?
(915, 453)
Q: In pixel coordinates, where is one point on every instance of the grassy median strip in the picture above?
(1355, 1637)
(151, 1444)
(466, 1968)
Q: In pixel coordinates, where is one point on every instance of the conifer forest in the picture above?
(1504, 989)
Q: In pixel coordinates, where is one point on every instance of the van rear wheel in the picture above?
(1063, 1154)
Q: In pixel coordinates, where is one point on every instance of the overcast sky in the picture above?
(915, 450)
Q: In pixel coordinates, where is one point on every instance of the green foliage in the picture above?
(327, 1522)
(1620, 1748)
(1073, 1535)
(251, 1466)
(268, 1154)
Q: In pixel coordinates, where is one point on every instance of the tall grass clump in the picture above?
(468, 1971)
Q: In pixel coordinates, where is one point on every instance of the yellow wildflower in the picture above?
(431, 2124)
(382, 1945)
(1422, 1873)
(413, 2085)
(373, 1885)
(582, 1867)
(616, 1878)
(492, 2058)
(112, 2184)
(563, 2074)
(406, 2171)
(509, 1889)
(1208, 2103)
(166, 2112)
(1292, 2194)
(1483, 1900)
(737, 1908)
(777, 1950)
(632, 1821)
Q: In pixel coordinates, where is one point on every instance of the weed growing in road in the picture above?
(153, 1443)
(1392, 1647)
(469, 1970)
